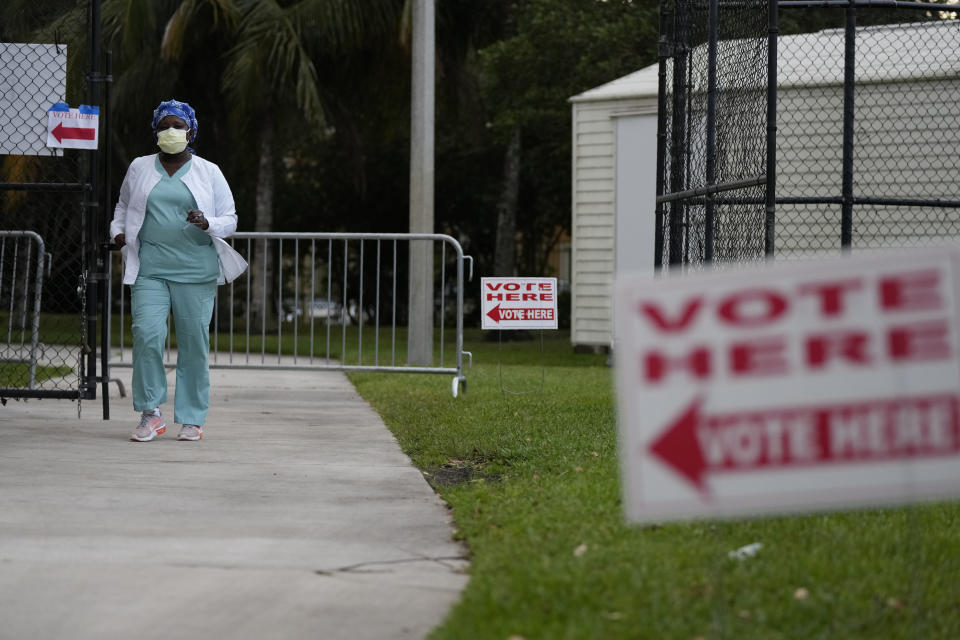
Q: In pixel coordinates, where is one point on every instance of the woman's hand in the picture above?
(120, 240)
(196, 218)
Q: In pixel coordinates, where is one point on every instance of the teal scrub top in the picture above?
(170, 247)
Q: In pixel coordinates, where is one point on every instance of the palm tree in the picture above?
(261, 55)
(277, 46)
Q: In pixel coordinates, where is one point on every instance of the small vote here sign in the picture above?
(69, 128)
(519, 303)
(792, 387)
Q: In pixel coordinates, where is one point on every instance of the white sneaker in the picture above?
(190, 432)
(151, 425)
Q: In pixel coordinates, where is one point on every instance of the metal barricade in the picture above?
(21, 283)
(324, 301)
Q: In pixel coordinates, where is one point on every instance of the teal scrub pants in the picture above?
(192, 303)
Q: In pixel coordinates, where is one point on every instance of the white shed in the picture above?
(907, 144)
(614, 175)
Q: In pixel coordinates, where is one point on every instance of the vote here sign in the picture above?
(790, 387)
(72, 128)
(518, 303)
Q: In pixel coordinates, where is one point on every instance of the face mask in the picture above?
(172, 140)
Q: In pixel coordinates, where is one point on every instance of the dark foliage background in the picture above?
(305, 103)
(326, 84)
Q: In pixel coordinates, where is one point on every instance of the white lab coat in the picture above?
(212, 193)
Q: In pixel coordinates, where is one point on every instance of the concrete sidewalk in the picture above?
(297, 516)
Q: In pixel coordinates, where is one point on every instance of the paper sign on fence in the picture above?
(72, 128)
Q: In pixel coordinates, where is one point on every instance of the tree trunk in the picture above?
(261, 266)
(505, 250)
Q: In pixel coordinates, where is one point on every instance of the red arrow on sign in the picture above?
(75, 133)
(696, 445)
(496, 315)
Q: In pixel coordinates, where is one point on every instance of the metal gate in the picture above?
(323, 301)
(52, 260)
(716, 131)
(22, 261)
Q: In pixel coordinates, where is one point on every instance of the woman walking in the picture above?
(173, 211)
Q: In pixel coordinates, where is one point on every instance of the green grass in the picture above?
(55, 328)
(17, 374)
(353, 344)
(533, 478)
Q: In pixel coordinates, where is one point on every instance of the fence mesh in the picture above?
(894, 186)
(715, 144)
(41, 191)
(906, 134)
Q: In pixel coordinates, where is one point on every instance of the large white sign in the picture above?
(518, 303)
(32, 77)
(792, 387)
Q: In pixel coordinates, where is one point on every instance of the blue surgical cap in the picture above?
(175, 108)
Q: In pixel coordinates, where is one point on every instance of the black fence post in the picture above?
(770, 218)
(104, 254)
(713, 100)
(849, 77)
(661, 149)
(95, 266)
(678, 143)
(711, 150)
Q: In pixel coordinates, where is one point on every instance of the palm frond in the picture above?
(270, 47)
(171, 43)
(406, 25)
(131, 24)
(225, 12)
(341, 26)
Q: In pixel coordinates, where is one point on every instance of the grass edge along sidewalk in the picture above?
(533, 482)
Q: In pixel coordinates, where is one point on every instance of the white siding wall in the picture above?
(593, 223)
(898, 146)
(594, 215)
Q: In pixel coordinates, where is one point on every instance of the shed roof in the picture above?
(885, 53)
(637, 84)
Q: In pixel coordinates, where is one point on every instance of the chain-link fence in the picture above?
(41, 215)
(850, 136)
(847, 138)
(712, 131)
(868, 140)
